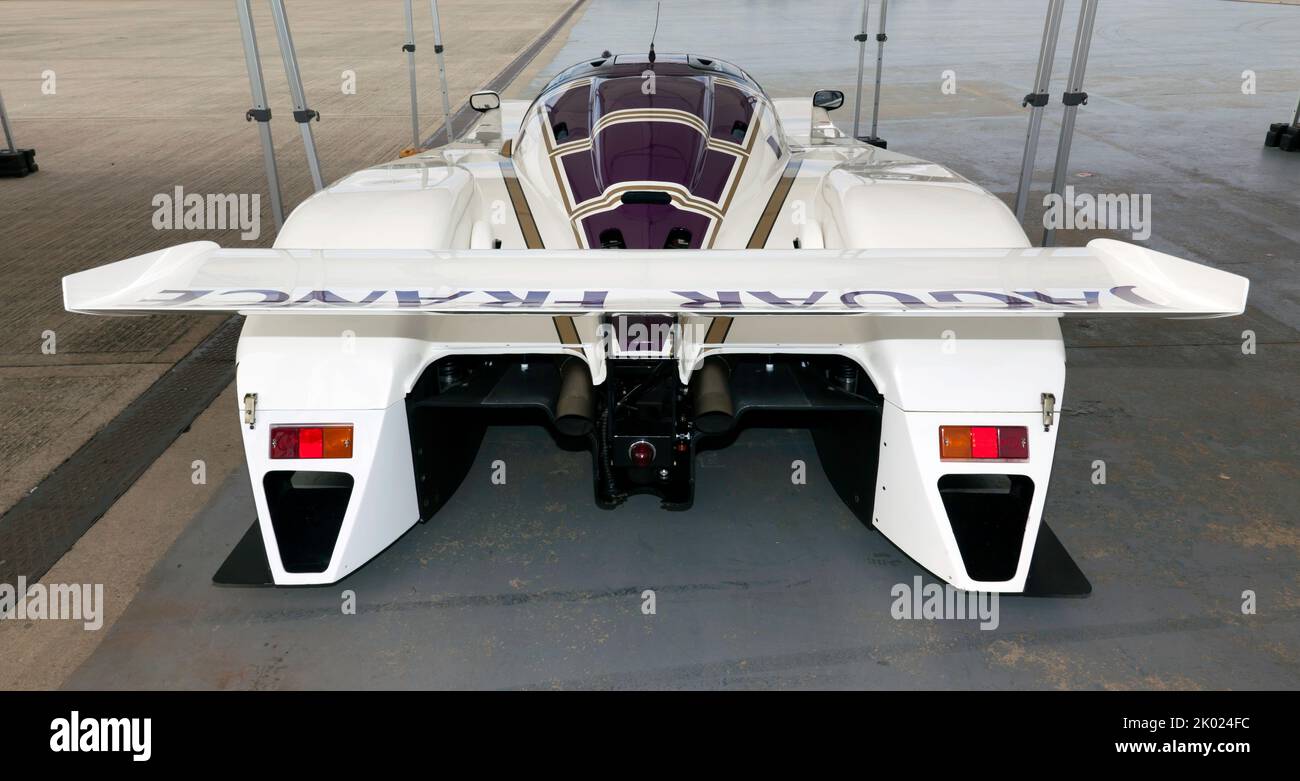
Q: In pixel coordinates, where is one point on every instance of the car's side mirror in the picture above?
(828, 99)
(487, 104)
(487, 101)
(825, 101)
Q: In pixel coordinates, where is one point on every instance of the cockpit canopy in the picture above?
(647, 155)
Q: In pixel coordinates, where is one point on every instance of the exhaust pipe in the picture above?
(711, 390)
(575, 408)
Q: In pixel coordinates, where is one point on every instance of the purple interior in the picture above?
(649, 150)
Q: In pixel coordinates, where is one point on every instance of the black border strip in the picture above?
(210, 727)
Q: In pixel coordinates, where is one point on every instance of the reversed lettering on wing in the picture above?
(1120, 297)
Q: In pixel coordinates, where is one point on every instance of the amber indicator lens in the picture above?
(954, 441)
(338, 442)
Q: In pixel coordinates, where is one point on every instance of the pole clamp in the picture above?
(437, 48)
(260, 114)
(1035, 99)
(305, 115)
(861, 37)
(408, 47)
(1075, 98)
(882, 37)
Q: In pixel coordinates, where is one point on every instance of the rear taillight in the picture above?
(284, 442)
(311, 442)
(642, 453)
(982, 443)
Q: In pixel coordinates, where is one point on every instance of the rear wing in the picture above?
(1106, 277)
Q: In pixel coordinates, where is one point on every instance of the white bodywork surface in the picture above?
(920, 277)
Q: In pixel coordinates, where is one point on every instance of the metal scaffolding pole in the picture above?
(409, 48)
(14, 161)
(880, 59)
(1037, 100)
(442, 70)
(861, 38)
(301, 113)
(10, 144)
(1073, 98)
(260, 111)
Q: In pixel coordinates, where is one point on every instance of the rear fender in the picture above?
(382, 504)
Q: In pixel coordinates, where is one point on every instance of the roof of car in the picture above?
(664, 65)
(621, 126)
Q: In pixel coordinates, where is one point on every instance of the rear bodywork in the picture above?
(646, 274)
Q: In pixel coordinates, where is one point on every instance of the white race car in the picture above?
(645, 258)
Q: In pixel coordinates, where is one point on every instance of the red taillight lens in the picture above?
(1013, 442)
(961, 443)
(642, 453)
(284, 442)
(311, 442)
(983, 442)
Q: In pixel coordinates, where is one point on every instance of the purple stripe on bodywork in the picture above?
(679, 93)
(733, 110)
(570, 114)
(648, 151)
(712, 175)
(581, 175)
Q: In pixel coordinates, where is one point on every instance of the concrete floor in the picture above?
(762, 584)
(766, 584)
(150, 95)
